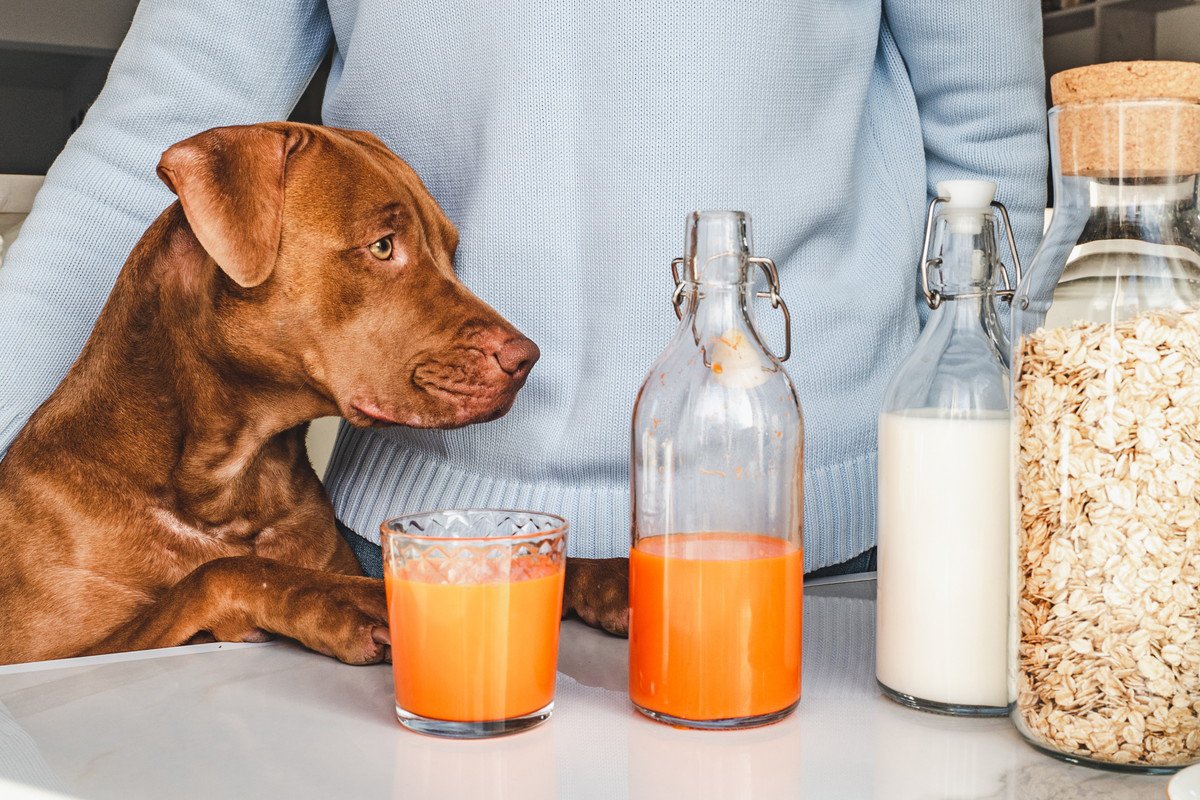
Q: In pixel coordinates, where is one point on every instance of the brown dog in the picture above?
(162, 494)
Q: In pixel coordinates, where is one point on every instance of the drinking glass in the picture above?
(474, 602)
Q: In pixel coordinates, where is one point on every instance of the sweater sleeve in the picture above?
(978, 76)
(184, 67)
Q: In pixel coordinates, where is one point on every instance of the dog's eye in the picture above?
(382, 249)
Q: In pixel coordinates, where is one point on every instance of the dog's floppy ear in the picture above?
(230, 182)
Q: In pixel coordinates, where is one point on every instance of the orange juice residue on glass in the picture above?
(475, 651)
(715, 625)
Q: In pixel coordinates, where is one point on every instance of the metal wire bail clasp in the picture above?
(768, 267)
(772, 294)
(932, 296)
(677, 295)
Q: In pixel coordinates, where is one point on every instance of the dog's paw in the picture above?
(346, 618)
(597, 591)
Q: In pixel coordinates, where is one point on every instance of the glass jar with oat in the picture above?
(1106, 417)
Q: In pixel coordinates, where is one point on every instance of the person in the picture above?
(568, 143)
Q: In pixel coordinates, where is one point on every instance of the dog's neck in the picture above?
(177, 412)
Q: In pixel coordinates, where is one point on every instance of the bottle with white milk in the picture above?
(944, 462)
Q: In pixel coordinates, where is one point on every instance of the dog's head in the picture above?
(336, 271)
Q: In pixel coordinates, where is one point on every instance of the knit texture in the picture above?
(569, 142)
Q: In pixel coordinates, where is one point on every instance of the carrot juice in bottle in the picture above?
(716, 568)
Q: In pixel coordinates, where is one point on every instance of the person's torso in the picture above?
(569, 143)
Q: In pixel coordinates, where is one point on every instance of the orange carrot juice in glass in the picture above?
(715, 628)
(474, 602)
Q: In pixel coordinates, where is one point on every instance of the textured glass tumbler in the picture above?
(474, 603)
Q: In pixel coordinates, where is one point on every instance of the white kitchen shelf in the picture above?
(95, 27)
(1069, 12)
(16, 198)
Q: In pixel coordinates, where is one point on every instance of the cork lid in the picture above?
(1127, 80)
(1105, 132)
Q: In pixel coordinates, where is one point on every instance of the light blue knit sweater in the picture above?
(569, 141)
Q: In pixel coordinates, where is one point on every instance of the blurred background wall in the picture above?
(54, 55)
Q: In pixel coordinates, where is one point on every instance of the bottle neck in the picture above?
(967, 259)
(966, 280)
(714, 308)
(967, 309)
(719, 291)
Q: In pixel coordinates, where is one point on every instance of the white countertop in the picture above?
(274, 721)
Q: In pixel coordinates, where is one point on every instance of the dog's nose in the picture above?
(517, 356)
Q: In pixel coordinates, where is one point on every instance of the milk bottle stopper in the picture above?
(967, 203)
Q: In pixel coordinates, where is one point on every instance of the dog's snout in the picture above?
(517, 356)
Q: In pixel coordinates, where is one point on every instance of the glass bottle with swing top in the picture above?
(717, 498)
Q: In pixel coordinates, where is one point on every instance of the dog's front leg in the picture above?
(233, 599)
(597, 591)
